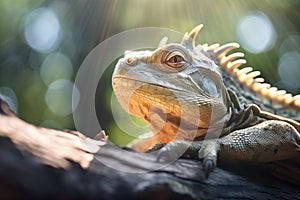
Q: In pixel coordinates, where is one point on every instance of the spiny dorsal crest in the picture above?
(231, 64)
(188, 40)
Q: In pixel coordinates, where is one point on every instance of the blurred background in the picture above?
(43, 43)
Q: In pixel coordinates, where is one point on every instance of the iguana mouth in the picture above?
(136, 83)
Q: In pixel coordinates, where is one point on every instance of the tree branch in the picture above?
(33, 166)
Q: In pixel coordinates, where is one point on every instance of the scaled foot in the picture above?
(203, 150)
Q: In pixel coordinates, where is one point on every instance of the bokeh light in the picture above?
(255, 32)
(291, 43)
(289, 69)
(56, 66)
(42, 30)
(59, 97)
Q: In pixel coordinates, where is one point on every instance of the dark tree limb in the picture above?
(24, 173)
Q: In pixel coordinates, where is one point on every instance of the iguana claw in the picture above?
(208, 167)
(178, 148)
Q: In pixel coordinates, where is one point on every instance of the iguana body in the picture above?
(198, 101)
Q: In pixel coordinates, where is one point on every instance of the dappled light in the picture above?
(42, 30)
(56, 66)
(255, 33)
(135, 99)
(289, 69)
(59, 97)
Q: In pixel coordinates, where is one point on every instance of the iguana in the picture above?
(199, 103)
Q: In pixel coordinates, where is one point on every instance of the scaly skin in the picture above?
(198, 103)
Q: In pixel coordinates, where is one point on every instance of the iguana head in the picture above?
(175, 88)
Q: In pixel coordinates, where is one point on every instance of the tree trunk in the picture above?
(119, 172)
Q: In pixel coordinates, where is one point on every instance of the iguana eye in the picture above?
(175, 60)
(210, 87)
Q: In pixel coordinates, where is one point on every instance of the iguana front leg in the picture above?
(265, 142)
